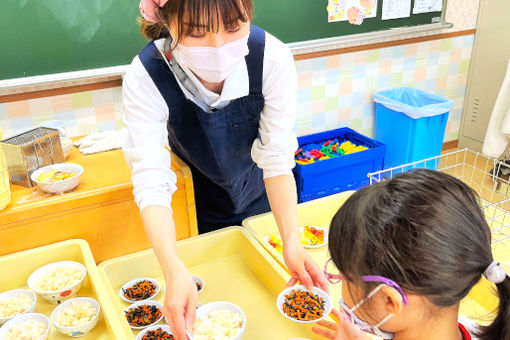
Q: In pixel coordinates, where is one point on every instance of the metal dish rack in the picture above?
(487, 176)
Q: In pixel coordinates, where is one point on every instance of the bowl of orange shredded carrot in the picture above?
(139, 290)
(156, 332)
(304, 306)
(143, 314)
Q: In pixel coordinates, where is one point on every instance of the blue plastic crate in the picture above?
(347, 172)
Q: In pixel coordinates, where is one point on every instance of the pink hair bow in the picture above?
(148, 8)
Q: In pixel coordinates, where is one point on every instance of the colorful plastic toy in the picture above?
(332, 148)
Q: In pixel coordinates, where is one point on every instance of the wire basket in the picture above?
(28, 151)
(487, 176)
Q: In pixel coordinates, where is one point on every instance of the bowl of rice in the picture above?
(76, 317)
(58, 281)
(16, 302)
(30, 326)
(219, 320)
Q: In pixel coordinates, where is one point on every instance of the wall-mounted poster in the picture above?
(354, 11)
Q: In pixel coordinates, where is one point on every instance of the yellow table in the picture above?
(100, 210)
(478, 305)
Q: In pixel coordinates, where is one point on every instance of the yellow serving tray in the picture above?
(16, 268)
(478, 305)
(318, 212)
(234, 267)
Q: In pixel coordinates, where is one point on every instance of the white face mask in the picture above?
(213, 64)
(349, 316)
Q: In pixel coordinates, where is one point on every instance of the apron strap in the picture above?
(160, 73)
(255, 58)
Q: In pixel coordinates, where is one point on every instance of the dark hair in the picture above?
(201, 15)
(425, 230)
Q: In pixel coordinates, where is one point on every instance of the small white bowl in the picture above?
(67, 146)
(60, 295)
(209, 307)
(165, 328)
(76, 331)
(146, 302)
(24, 317)
(14, 293)
(132, 283)
(197, 280)
(60, 186)
(327, 306)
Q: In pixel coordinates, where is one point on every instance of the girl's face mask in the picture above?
(348, 312)
(351, 317)
(213, 64)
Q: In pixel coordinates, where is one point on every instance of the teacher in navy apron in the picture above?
(221, 94)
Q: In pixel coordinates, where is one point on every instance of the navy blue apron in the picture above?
(216, 146)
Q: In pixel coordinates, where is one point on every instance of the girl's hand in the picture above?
(302, 267)
(339, 331)
(180, 301)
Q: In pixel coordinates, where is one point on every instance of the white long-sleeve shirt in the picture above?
(146, 118)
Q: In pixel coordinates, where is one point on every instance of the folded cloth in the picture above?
(102, 141)
(497, 136)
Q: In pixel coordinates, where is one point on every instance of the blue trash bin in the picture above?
(411, 123)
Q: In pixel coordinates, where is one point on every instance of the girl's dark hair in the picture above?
(201, 15)
(426, 231)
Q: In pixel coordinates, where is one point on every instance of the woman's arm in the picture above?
(181, 294)
(281, 191)
(154, 183)
(273, 152)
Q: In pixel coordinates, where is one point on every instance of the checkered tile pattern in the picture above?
(333, 91)
(83, 113)
(336, 91)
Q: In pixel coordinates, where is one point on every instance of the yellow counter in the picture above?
(101, 210)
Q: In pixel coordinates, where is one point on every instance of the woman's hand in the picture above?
(180, 301)
(339, 331)
(302, 268)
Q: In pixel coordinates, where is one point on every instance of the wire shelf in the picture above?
(487, 176)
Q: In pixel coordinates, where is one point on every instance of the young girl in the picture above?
(222, 94)
(408, 250)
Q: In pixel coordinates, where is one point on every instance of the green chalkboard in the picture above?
(52, 36)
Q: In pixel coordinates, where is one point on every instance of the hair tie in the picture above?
(495, 273)
(148, 9)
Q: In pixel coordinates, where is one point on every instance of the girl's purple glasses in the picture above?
(336, 278)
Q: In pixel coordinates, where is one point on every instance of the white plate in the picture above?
(132, 283)
(315, 246)
(307, 246)
(327, 306)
